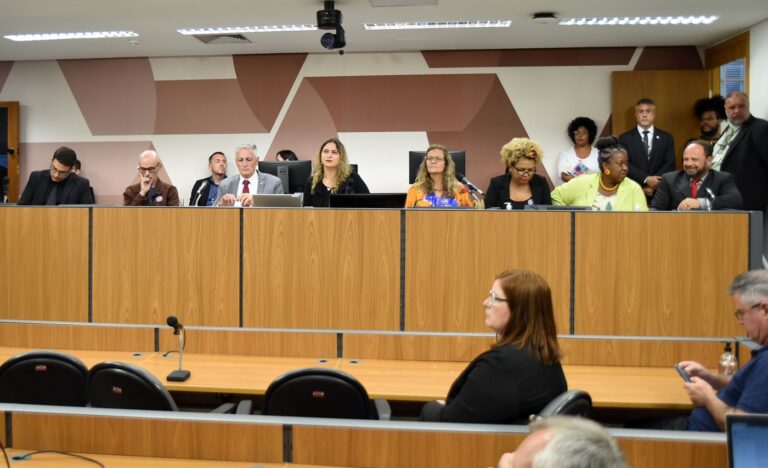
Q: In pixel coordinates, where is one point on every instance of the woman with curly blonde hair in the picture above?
(436, 183)
(519, 185)
(331, 173)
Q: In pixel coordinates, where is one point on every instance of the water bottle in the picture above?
(728, 363)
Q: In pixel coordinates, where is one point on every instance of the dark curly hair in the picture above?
(715, 104)
(585, 122)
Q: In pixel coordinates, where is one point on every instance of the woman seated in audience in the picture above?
(331, 173)
(286, 155)
(581, 158)
(607, 190)
(521, 373)
(436, 183)
(520, 185)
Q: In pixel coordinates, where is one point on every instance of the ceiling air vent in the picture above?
(222, 38)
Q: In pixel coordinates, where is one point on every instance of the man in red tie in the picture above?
(696, 186)
(238, 190)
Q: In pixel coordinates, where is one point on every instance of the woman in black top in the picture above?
(520, 185)
(331, 173)
(521, 373)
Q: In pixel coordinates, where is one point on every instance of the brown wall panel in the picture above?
(252, 343)
(452, 258)
(36, 335)
(321, 269)
(643, 453)
(46, 249)
(415, 347)
(650, 273)
(149, 263)
(641, 353)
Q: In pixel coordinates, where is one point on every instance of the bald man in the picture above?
(150, 191)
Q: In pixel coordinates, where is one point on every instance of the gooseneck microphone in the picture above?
(179, 375)
(194, 203)
(468, 183)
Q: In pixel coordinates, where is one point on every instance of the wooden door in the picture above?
(9, 145)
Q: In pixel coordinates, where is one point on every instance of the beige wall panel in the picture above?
(36, 335)
(321, 269)
(638, 353)
(146, 437)
(44, 248)
(415, 347)
(149, 263)
(658, 274)
(253, 343)
(452, 258)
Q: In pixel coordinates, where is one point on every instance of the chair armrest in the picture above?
(224, 408)
(383, 409)
(244, 407)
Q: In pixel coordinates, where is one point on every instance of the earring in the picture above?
(607, 171)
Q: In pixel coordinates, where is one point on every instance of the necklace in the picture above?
(606, 188)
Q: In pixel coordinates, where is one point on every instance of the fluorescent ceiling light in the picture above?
(71, 35)
(249, 29)
(639, 20)
(438, 25)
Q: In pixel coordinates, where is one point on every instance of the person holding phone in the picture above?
(581, 158)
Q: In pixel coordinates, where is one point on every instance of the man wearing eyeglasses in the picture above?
(58, 185)
(150, 191)
(717, 395)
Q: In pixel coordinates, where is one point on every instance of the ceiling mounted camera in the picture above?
(330, 19)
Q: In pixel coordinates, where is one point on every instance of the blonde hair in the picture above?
(343, 171)
(450, 183)
(521, 148)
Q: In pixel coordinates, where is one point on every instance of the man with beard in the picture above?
(711, 113)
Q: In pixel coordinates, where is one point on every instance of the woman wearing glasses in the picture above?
(520, 185)
(521, 373)
(607, 190)
(436, 183)
(581, 158)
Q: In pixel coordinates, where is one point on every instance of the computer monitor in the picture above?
(746, 435)
(416, 157)
(367, 200)
(293, 174)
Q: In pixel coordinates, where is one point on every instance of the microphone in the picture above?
(194, 203)
(711, 202)
(468, 183)
(179, 375)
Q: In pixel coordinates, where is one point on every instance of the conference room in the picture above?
(391, 297)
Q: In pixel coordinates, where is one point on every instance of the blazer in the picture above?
(498, 191)
(747, 159)
(676, 187)
(662, 158)
(321, 196)
(267, 184)
(204, 193)
(582, 190)
(74, 190)
(165, 195)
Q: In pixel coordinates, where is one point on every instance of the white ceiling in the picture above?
(156, 22)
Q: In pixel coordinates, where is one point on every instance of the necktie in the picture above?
(721, 147)
(646, 143)
(245, 186)
(695, 187)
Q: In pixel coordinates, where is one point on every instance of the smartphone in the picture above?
(682, 373)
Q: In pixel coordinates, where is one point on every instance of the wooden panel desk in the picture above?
(89, 358)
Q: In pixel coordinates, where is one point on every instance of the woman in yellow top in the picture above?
(436, 184)
(607, 190)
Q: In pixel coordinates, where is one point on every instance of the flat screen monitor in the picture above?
(293, 174)
(416, 157)
(367, 200)
(746, 436)
(272, 200)
(557, 208)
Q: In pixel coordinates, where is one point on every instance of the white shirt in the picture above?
(650, 136)
(253, 184)
(570, 163)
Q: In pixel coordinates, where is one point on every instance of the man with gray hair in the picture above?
(565, 442)
(238, 190)
(717, 395)
(150, 191)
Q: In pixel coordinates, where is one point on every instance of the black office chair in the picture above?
(44, 378)
(570, 403)
(322, 393)
(121, 385)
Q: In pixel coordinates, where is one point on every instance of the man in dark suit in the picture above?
(204, 195)
(651, 150)
(696, 187)
(58, 185)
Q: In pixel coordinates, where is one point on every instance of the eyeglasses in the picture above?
(740, 313)
(581, 133)
(494, 299)
(525, 171)
(59, 172)
(147, 170)
(434, 160)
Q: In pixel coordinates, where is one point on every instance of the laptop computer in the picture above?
(746, 437)
(268, 200)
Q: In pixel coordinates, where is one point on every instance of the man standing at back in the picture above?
(651, 150)
(238, 190)
(58, 185)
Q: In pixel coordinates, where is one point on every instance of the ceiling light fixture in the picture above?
(438, 25)
(639, 20)
(249, 29)
(70, 35)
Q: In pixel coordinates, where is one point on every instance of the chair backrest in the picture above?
(44, 378)
(570, 403)
(121, 385)
(319, 393)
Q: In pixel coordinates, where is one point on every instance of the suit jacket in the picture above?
(74, 190)
(164, 195)
(204, 193)
(267, 184)
(676, 186)
(747, 159)
(498, 191)
(662, 158)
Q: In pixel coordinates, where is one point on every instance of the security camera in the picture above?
(330, 19)
(334, 41)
